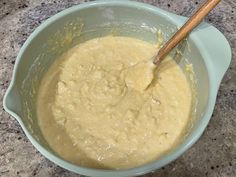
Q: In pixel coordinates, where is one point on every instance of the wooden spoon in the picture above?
(141, 75)
(193, 21)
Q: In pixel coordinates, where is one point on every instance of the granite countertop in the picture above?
(214, 155)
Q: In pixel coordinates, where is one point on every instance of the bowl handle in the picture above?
(213, 46)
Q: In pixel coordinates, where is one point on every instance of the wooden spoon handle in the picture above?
(193, 21)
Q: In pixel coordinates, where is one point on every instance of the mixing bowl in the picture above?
(206, 50)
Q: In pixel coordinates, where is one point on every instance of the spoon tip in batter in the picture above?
(140, 76)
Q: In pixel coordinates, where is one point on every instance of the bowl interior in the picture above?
(79, 25)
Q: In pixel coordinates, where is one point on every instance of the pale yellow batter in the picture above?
(92, 114)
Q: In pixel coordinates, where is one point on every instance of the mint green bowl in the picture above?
(207, 50)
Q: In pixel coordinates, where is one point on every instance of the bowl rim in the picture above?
(152, 166)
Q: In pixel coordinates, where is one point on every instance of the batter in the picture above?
(93, 113)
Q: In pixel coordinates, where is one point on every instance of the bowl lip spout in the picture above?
(175, 19)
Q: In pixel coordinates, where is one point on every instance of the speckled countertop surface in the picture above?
(214, 155)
